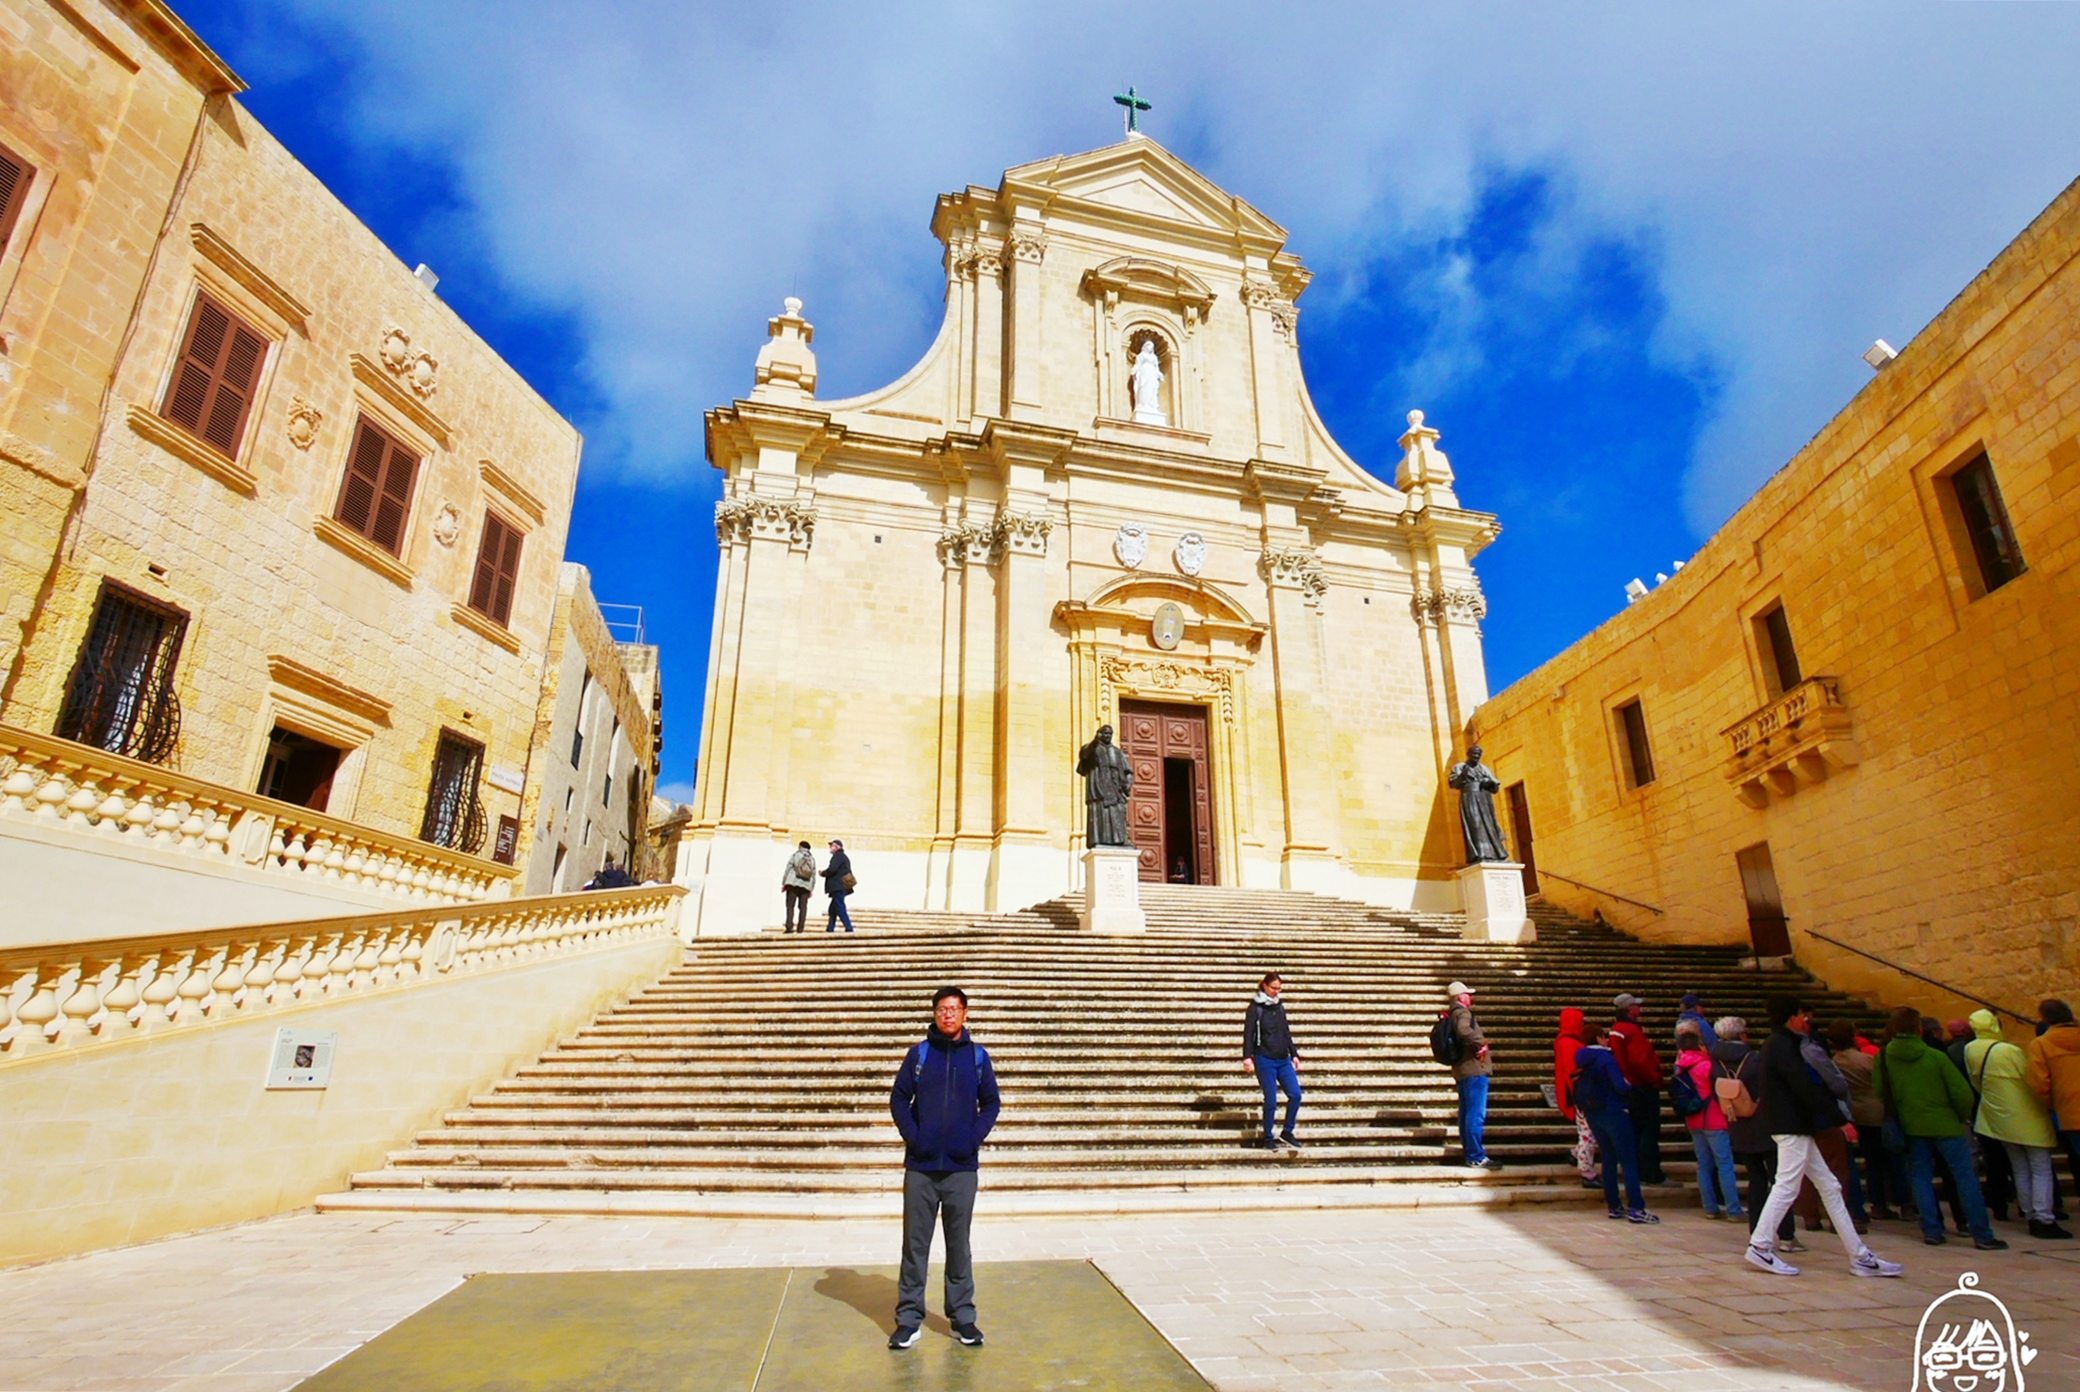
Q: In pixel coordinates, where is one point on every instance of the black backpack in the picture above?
(1445, 1044)
(1588, 1089)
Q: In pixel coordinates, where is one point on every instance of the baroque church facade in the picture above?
(1103, 496)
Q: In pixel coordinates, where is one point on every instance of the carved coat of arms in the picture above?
(1191, 553)
(1131, 545)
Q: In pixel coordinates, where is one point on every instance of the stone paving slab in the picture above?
(1545, 1300)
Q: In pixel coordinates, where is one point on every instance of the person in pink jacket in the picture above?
(1708, 1137)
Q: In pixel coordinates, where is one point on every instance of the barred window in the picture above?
(454, 812)
(120, 697)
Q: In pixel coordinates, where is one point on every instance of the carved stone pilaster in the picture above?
(1026, 245)
(765, 519)
(1433, 607)
(962, 544)
(1285, 315)
(1018, 534)
(1296, 567)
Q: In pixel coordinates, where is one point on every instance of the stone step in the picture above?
(755, 1075)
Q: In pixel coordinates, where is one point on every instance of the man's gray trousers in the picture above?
(925, 1198)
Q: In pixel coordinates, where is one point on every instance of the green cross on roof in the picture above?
(1132, 101)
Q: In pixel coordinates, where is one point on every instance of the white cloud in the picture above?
(1812, 177)
(675, 793)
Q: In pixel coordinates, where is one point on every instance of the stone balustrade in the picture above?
(1796, 740)
(58, 997)
(56, 783)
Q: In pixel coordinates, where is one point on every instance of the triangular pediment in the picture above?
(1140, 178)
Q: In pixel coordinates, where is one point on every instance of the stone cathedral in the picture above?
(1103, 496)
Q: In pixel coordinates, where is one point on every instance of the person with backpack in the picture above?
(1269, 1052)
(2010, 1114)
(1470, 1072)
(1573, 1035)
(1692, 1093)
(1794, 1106)
(1933, 1104)
(944, 1102)
(1737, 1084)
(1599, 1090)
(795, 883)
(1641, 1064)
(1832, 1141)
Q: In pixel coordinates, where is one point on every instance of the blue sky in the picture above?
(1625, 256)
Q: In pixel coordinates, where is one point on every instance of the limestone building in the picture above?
(278, 522)
(1103, 495)
(1848, 727)
(593, 763)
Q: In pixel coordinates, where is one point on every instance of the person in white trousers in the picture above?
(1794, 1105)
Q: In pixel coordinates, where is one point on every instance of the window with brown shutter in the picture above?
(498, 569)
(375, 498)
(212, 387)
(16, 174)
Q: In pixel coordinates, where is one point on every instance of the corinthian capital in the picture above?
(1019, 534)
(1294, 567)
(1027, 245)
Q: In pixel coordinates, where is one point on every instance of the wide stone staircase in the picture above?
(754, 1077)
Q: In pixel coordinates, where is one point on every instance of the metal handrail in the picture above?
(1604, 892)
(1908, 971)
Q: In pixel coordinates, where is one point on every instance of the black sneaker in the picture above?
(1991, 1244)
(968, 1334)
(1484, 1163)
(2046, 1230)
(906, 1336)
(1939, 1240)
(1640, 1215)
(1260, 1143)
(1289, 1140)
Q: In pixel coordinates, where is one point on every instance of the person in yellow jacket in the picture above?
(2011, 1114)
(2053, 1073)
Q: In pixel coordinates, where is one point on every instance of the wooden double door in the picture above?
(1170, 811)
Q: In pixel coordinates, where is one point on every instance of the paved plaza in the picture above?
(1535, 1298)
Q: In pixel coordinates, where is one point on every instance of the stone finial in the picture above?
(1424, 470)
(786, 370)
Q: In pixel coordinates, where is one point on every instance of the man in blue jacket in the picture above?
(944, 1102)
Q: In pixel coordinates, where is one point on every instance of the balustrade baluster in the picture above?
(391, 964)
(84, 1003)
(166, 824)
(412, 956)
(231, 985)
(169, 972)
(341, 968)
(317, 965)
(51, 796)
(356, 865)
(217, 837)
(289, 970)
(85, 798)
(137, 822)
(124, 996)
(193, 825)
(35, 1015)
(108, 813)
(19, 790)
(367, 960)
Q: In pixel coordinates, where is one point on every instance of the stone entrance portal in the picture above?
(1170, 813)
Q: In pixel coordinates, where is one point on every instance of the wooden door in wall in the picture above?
(1170, 811)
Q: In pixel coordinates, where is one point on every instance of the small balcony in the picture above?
(1799, 739)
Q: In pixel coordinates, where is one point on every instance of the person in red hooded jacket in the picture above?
(1574, 1033)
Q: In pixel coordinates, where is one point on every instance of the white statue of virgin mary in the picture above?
(1147, 382)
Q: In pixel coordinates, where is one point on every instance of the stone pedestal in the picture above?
(1492, 895)
(1112, 891)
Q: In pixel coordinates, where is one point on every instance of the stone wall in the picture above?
(108, 112)
(290, 621)
(1928, 818)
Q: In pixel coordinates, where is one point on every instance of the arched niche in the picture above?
(1135, 299)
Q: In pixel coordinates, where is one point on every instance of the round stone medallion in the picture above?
(1166, 629)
